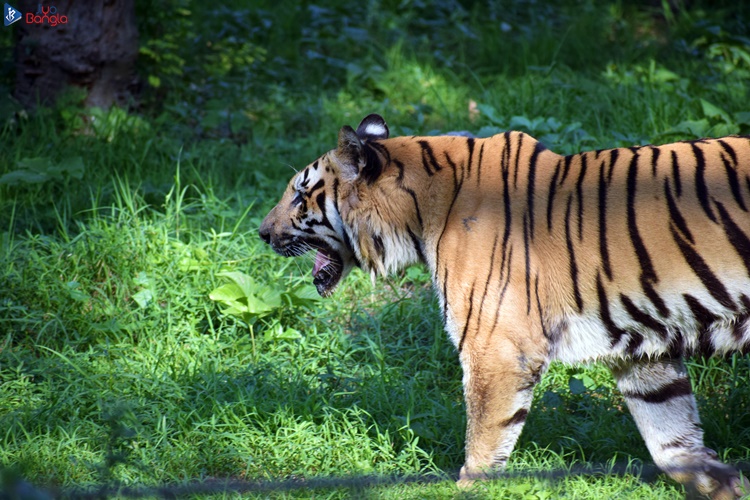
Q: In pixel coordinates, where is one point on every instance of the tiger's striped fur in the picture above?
(635, 257)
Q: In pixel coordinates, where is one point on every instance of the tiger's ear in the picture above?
(372, 128)
(349, 152)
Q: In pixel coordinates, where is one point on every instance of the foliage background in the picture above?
(146, 334)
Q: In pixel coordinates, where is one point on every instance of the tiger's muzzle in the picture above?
(328, 268)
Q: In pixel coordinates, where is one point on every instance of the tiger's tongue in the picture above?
(321, 261)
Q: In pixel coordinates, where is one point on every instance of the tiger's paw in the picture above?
(741, 487)
(737, 489)
(469, 479)
(465, 484)
(723, 482)
(473, 487)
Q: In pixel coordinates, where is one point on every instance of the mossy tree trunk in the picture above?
(95, 49)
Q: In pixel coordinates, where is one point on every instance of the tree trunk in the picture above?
(94, 46)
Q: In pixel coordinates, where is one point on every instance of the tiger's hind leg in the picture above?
(660, 398)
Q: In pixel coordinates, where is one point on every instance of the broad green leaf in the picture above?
(662, 75)
(73, 166)
(187, 264)
(142, 279)
(281, 333)
(589, 382)
(415, 273)
(23, 177)
(243, 296)
(574, 127)
(242, 280)
(553, 123)
(154, 81)
(235, 309)
(227, 293)
(519, 489)
(543, 494)
(520, 122)
(306, 292)
(713, 111)
(576, 386)
(489, 130)
(310, 292)
(143, 298)
(723, 129)
(742, 117)
(258, 307)
(491, 114)
(38, 164)
(696, 128)
(75, 293)
(41, 169)
(552, 399)
(549, 139)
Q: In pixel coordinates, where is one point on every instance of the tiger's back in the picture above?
(641, 248)
(650, 243)
(633, 256)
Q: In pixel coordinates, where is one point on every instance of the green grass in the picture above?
(117, 367)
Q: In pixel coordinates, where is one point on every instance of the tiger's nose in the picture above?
(265, 229)
(265, 232)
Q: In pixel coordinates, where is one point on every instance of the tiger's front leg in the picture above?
(660, 398)
(499, 380)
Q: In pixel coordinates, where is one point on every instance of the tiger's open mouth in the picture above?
(328, 266)
(327, 270)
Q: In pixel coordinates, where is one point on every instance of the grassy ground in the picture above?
(148, 337)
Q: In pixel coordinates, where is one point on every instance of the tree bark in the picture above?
(95, 49)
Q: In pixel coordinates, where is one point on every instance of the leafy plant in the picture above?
(652, 75)
(244, 299)
(43, 169)
(550, 131)
(716, 122)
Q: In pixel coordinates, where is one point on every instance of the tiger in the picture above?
(635, 257)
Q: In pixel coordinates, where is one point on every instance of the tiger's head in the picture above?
(312, 212)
